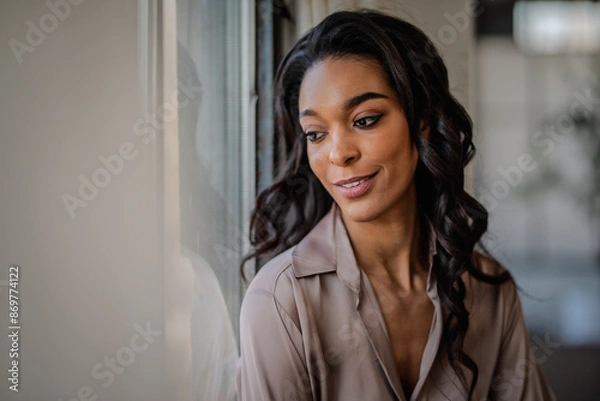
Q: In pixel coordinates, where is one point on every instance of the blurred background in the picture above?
(135, 134)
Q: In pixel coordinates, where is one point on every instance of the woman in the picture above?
(373, 290)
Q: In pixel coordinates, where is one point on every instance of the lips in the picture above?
(356, 186)
(353, 180)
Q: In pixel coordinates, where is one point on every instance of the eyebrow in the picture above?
(350, 104)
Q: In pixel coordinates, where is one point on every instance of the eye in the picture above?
(368, 121)
(313, 136)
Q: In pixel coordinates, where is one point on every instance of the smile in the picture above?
(357, 188)
(353, 184)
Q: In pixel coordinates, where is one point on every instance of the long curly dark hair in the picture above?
(293, 204)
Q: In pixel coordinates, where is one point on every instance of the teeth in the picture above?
(353, 184)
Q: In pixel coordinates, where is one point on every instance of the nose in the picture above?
(343, 150)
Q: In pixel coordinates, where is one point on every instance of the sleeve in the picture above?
(271, 365)
(517, 375)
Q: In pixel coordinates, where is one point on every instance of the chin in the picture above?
(359, 211)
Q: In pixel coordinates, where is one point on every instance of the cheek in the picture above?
(317, 160)
(400, 152)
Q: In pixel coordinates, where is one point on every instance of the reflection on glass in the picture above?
(210, 199)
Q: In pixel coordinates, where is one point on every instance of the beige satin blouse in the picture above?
(311, 328)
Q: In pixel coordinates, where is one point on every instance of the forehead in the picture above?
(331, 82)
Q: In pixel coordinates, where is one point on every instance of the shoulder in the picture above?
(504, 293)
(272, 290)
(487, 265)
(274, 274)
(494, 307)
(269, 331)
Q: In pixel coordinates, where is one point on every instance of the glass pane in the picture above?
(208, 34)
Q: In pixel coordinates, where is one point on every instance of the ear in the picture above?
(424, 130)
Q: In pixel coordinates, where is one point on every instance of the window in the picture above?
(205, 59)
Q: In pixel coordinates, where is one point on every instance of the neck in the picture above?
(392, 247)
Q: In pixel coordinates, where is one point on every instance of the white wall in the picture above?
(86, 279)
(547, 240)
(517, 96)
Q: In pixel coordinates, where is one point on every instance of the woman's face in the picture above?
(358, 141)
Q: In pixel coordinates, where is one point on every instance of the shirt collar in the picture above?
(327, 248)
